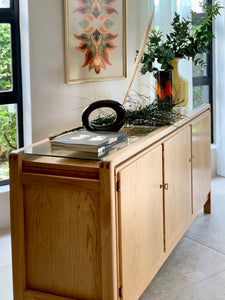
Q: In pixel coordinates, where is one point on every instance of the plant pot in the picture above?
(164, 88)
(180, 85)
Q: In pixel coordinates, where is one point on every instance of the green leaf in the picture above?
(185, 40)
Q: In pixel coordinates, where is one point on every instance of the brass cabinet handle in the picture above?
(165, 186)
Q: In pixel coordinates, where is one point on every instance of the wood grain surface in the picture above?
(62, 240)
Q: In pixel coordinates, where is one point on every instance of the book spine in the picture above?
(101, 151)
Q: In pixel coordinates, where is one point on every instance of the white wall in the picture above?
(25, 64)
(219, 95)
(56, 106)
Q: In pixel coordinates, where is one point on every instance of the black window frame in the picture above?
(11, 16)
(207, 80)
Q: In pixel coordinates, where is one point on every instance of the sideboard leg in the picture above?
(207, 206)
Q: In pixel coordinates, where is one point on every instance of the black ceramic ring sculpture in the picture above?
(114, 126)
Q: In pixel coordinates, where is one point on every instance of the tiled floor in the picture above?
(6, 292)
(195, 270)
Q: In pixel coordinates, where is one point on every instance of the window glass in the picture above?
(5, 58)
(196, 5)
(11, 109)
(200, 95)
(8, 137)
(4, 3)
(200, 70)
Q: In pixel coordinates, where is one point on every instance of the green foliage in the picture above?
(154, 115)
(199, 70)
(197, 96)
(8, 136)
(4, 170)
(156, 50)
(5, 58)
(186, 40)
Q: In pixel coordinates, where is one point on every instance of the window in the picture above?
(11, 114)
(202, 76)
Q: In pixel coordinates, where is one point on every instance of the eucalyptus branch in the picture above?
(186, 40)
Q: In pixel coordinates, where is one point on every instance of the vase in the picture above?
(180, 85)
(164, 88)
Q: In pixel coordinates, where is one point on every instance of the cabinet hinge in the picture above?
(118, 186)
(121, 292)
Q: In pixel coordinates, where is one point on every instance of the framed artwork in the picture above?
(95, 40)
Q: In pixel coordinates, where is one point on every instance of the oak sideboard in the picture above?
(101, 229)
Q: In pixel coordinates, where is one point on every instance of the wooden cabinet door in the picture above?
(140, 212)
(62, 237)
(177, 182)
(201, 162)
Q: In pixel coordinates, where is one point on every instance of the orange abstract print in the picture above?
(96, 40)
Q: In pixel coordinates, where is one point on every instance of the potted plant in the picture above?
(186, 40)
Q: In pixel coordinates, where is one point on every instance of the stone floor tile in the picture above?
(212, 288)
(188, 264)
(5, 250)
(6, 290)
(209, 229)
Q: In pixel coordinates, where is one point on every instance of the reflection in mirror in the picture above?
(103, 112)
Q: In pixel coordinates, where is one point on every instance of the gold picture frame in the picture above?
(95, 40)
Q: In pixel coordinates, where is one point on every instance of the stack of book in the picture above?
(97, 142)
